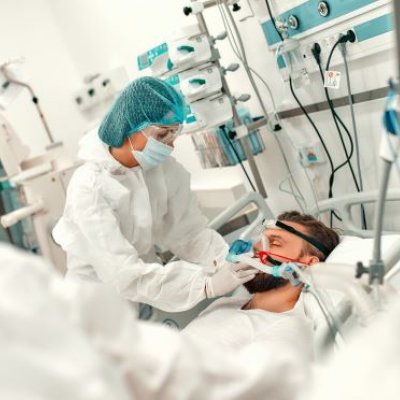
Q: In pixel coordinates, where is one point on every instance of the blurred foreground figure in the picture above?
(60, 340)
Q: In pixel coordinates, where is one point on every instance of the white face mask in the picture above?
(153, 154)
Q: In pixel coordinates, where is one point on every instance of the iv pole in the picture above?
(35, 100)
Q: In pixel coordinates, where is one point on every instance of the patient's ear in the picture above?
(312, 260)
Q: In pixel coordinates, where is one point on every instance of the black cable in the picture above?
(222, 127)
(311, 122)
(304, 110)
(355, 131)
(337, 119)
(307, 115)
(273, 19)
(328, 63)
(350, 36)
(332, 176)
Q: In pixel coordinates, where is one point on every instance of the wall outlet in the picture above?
(102, 87)
(86, 97)
(326, 44)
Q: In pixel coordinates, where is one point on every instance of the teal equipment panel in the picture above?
(309, 17)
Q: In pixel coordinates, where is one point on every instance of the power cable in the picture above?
(316, 51)
(343, 49)
(332, 176)
(273, 19)
(223, 129)
(307, 115)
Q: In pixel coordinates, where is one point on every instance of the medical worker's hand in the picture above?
(227, 278)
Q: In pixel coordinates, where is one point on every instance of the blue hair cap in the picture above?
(145, 101)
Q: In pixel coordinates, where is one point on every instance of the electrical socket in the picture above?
(86, 97)
(103, 87)
(326, 44)
(307, 51)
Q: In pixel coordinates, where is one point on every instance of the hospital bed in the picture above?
(356, 245)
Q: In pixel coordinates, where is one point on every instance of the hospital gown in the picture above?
(225, 323)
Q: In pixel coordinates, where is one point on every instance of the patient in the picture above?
(271, 306)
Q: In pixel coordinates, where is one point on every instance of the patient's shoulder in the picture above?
(234, 303)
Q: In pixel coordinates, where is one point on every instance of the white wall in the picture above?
(64, 40)
(29, 29)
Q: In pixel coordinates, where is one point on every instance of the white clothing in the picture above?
(60, 340)
(226, 324)
(115, 215)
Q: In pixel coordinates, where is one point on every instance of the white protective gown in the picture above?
(115, 215)
(74, 340)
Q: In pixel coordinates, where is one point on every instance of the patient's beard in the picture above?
(263, 282)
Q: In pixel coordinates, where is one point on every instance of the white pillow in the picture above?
(352, 249)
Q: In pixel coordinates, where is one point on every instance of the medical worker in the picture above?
(75, 340)
(130, 195)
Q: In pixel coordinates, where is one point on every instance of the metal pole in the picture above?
(236, 119)
(396, 13)
(379, 212)
(377, 266)
(35, 101)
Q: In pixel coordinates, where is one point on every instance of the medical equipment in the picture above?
(100, 88)
(370, 26)
(293, 60)
(40, 183)
(198, 83)
(216, 149)
(194, 60)
(239, 253)
(11, 76)
(390, 146)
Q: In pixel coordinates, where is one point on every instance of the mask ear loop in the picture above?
(132, 150)
(130, 142)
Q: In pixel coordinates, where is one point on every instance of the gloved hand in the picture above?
(227, 278)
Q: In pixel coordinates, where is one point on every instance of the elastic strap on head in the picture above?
(314, 242)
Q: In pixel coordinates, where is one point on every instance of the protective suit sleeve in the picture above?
(176, 287)
(188, 236)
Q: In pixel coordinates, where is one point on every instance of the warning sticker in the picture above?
(332, 79)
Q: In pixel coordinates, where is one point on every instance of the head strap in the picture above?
(314, 242)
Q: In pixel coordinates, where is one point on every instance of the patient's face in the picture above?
(282, 244)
